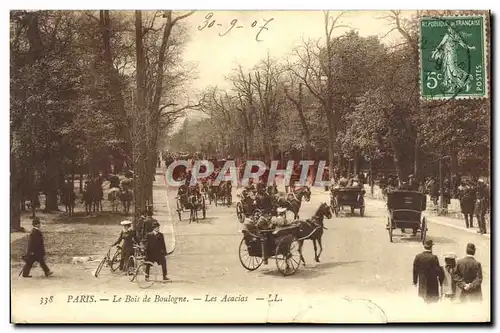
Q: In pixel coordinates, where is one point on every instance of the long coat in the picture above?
(155, 246)
(36, 247)
(471, 272)
(428, 274)
(129, 238)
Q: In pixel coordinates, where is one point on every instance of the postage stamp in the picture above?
(453, 57)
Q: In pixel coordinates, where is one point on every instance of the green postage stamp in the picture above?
(453, 57)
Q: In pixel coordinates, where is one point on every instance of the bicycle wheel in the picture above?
(101, 265)
(131, 267)
(115, 261)
(140, 275)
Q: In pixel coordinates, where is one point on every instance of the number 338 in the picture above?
(46, 300)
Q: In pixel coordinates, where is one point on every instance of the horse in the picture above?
(114, 199)
(88, 198)
(68, 198)
(126, 199)
(223, 192)
(293, 200)
(313, 229)
(246, 207)
(193, 205)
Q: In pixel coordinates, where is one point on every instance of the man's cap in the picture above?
(471, 247)
(126, 222)
(428, 244)
(450, 255)
(36, 221)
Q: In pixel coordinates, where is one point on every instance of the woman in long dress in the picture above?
(455, 78)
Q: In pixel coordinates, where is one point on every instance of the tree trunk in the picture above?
(15, 197)
(139, 127)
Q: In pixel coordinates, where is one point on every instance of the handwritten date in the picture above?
(209, 22)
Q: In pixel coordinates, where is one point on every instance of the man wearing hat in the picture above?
(470, 270)
(36, 251)
(482, 204)
(427, 273)
(148, 222)
(128, 236)
(156, 250)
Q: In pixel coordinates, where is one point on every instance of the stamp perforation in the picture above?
(485, 56)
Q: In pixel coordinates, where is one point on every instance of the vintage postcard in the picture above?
(250, 166)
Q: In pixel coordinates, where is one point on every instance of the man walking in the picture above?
(156, 250)
(427, 273)
(482, 204)
(471, 272)
(36, 251)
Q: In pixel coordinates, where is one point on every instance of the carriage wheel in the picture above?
(239, 212)
(362, 211)
(115, 261)
(140, 275)
(131, 267)
(389, 223)
(250, 263)
(423, 230)
(287, 262)
(101, 265)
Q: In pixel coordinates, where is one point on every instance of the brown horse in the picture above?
(313, 229)
(293, 200)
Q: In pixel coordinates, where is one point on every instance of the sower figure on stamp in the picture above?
(36, 251)
(156, 250)
(427, 273)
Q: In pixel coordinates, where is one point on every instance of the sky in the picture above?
(217, 55)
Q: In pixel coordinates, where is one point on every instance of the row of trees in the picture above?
(343, 98)
(90, 89)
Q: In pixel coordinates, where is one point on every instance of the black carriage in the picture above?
(280, 244)
(353, 197)
(246, 207)
(405, 212)
(192, 203)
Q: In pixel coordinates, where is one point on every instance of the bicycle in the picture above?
(134, 261)
(113, 262)
(155, 274)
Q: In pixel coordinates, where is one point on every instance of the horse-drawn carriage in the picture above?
(280, 244)
(405, 211)
(347, 196)
(283, 243)
(191, 200)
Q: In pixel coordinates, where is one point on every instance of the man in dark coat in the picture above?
(36, 251)
(471, 272)
(482, 204)
(149, 223)
(156, 250)
(427, 273)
